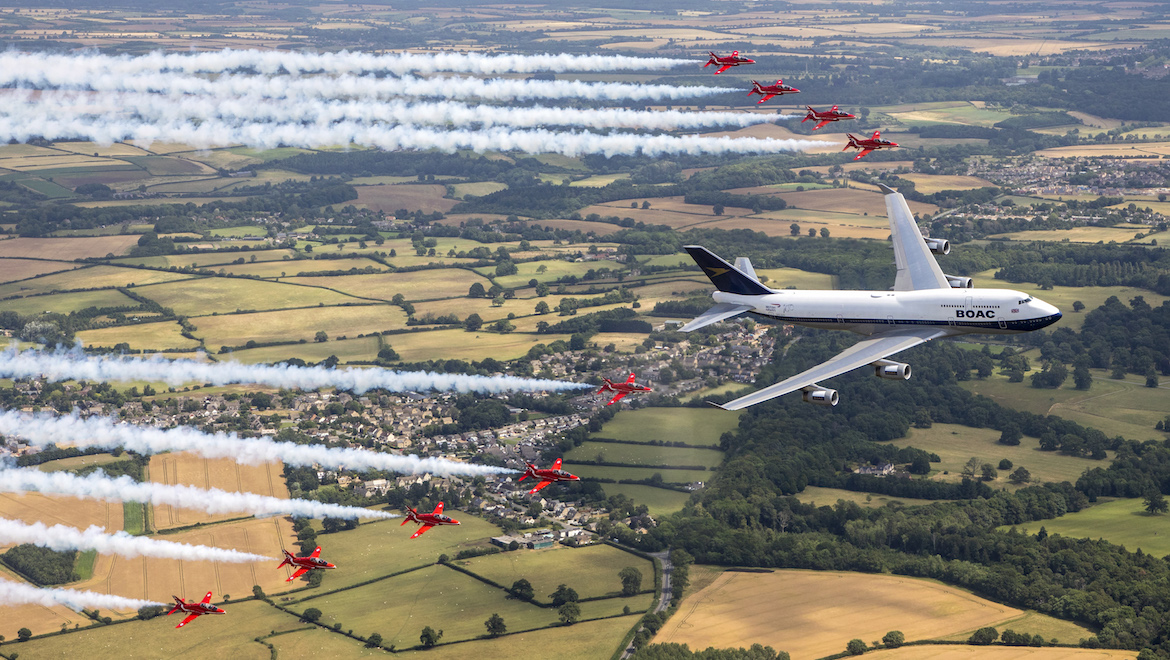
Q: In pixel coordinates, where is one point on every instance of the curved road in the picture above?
(663, 597)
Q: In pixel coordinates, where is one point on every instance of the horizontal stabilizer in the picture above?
(714, 315)
(745, 266)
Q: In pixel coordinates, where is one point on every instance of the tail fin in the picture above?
(286, 561)
(407, 518)
(724, 276)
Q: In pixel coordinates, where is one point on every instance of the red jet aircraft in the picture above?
(547, 476)
(825, 117)
(725, 63)
(194, 610)
(768, 91)
(428, 520)
(868, 144)
(304, 564)
(621, 389)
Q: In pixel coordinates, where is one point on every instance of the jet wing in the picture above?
(540, 485)
(917, 267)
(300, 572)
(724, 68)
(421, 530)
(766, 97)
(189, 619)
(862, 353)
(864, 152)
(823, 122)
(617, 398)
(716, 314)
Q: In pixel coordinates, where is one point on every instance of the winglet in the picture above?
(886, 189)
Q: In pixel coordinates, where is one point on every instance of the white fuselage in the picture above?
(962, 311)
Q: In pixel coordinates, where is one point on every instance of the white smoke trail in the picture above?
(62, 538)
(212, 134)
(43, 429)
(356, 87)
(15, 593)
(97, 486)
(34, 68)
(72, 106)
(75, 365)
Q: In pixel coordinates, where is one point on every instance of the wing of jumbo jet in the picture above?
(864, 352)
(917, 268)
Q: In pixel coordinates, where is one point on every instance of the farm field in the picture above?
(67, 248)
(77, 462)
(694, 426)
(618, 473)
(297, 324)
(650, 455)
(426, 198)
(144, 336)
(932, 183)
(938, 652)
(20, 269)
(462, 345)
(205, 295)
(589, 640)
(1122, 522)
(840, 225)
(779, 278)
(1125, 408)
(848, 200)
(592, 570)
(59, 510)
(419, 285)
(739, 609)
(346, 350)
(93, 277)
(223, 473)
(956, 444)
(64, 303)
(829, 496)
(1074, 235)
(231, 635)
(660, 501)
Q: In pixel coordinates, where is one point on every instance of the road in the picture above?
(663, 597)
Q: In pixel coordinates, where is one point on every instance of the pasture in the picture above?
(740, 609)
(649, 455)
(230, 635)
(141, 337)
(1074, 235)
(418, 285)
(64, 303)
(779, 223)
(939, 652)
(390, 198)
(957, 444)
(932, 183)
(20, 269)
(553, 269)
(848, 200)
(592, 570)
(618, 473)
(208, 295)
(694, 426)
(589, 640)
(67, 248)
(92, 277)
(781, 278)
(1122, 522)
(829, 497)
(660, 501)
(77, 462)
(347, 350)
(462, 345)
(296, 324)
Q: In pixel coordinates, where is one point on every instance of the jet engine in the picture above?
(957, 282)
(938, 245)
(822, 396)
(891, 370)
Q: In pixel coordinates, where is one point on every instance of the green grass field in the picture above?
(591, 640)
(829, 496)
(1123, 522)
(293, 325)
(63, 303)
(611, 472)
(650, 455)
(77, 462)
(694, 426)
(133, 517)
(419, 285)
(553, 269)
(660, 501)
(957, 444)
(363, 349)
(314, 642)
(144, 336)
(592, 571)
(203, 296)
(463, 345)
(236, 232)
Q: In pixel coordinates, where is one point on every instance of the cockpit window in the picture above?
(1025, 301)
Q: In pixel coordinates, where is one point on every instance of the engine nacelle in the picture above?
(821, 396)
(957, 282)
(938, 245)
(891, 370)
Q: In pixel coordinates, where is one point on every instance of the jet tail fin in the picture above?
(745, 266)
(714, 315)
(724, 276)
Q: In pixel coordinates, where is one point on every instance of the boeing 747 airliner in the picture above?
(924, 304)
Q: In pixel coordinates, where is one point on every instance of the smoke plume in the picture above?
(98, 486)
(43, 429)
(15, 593)
(62, 538)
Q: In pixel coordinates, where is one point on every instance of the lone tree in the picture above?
(563, 594)
(894, 639)
(495, 625)
(1156, 503)
(1011, 435)
(476, 291)
(794, 229)
(631, 580)
(569, 613)
(473, 323)
(24, 634)
(522, 589)
(312, 615)
(1020, 476)
(430, 637)
(374, 640)
(855, 647)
